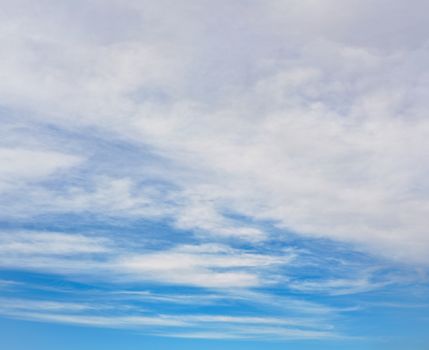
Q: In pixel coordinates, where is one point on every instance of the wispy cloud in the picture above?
(21, 167)
(206, 265)
(33, 243)
(189, 326)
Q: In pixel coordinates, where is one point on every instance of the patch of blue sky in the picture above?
(310, 286)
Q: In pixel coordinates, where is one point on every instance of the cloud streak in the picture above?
(204, 326)
(209, 265)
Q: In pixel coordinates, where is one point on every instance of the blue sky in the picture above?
(214, 175)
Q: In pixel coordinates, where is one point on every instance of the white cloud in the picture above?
(317, 124)
(209, 266)
(21, 166)
(325, 159)
(336, 287)
(200, 266)
(30, 243)
(185, 325)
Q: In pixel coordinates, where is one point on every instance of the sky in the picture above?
(230, 174)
